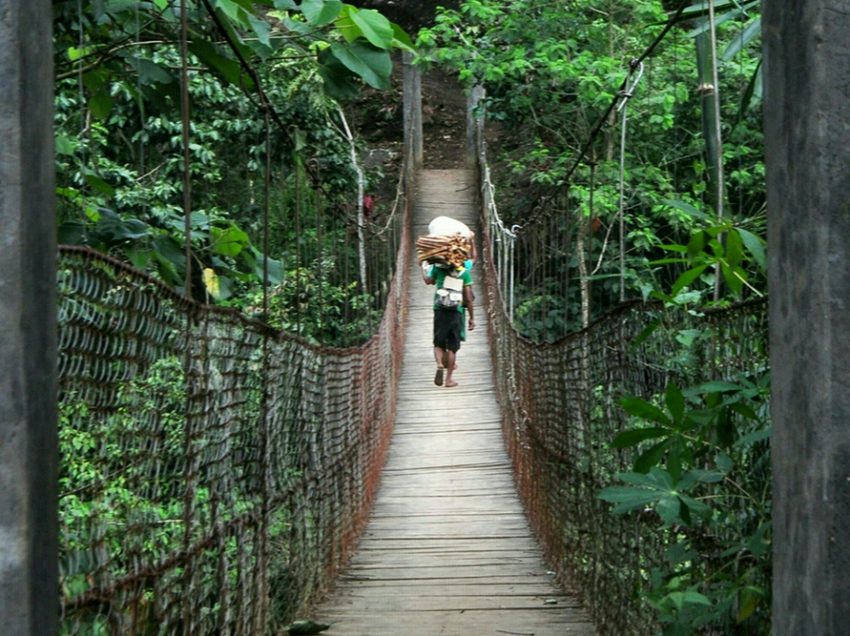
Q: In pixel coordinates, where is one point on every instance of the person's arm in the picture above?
(468, 304)
(427, 269)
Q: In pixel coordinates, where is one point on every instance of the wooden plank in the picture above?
(448, 549)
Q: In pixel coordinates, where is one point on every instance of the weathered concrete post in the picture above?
(28, 455)
(807, 131)
(474, 123)
(412, 89)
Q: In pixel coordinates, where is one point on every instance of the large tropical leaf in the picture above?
(354, 23)
(321, 12)
(372, 64)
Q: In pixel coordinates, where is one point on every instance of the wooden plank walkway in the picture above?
(448, 549)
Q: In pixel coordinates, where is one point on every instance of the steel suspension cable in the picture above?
(718, 168)
(621, 204)
(618, 96)
(188, 471)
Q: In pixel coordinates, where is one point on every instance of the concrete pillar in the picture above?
(474, 123)
(807, 133)
(28, 454)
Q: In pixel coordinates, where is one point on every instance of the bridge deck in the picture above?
(448, 549)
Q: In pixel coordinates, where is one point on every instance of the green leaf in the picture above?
(261, 29)
(75, 53)
(691, 505)
(734, 248)
(715, 386)
(100, 185)
(354, 23)
(139, 257)
(338, 82)
(371, 64)
(657, 479)
(747, 605)
(65, 145)
(688, 208)
(724, 462)
(401, 39)
(150, 72)
(698, 476)
(696, 244)
(228, 241)
(754, 437)
(755, 246)
(321, 12)
(297, 26)
(644, 410)
(100, 104)
(637, 435)
(695, 598)
(233, 12)
(675, 402)
(627, 498)
(669, 509)
(686, 278)
(734, 277)
(744, 410)
(753, 90)
(652, 457)
(222, 66)
(113, 229)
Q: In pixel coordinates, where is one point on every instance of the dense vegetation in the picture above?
(278, 67)
(594, 121)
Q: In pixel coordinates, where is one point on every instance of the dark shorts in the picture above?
(448, 324)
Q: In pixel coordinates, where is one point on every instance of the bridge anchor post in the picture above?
(29, 575)
(807, 110)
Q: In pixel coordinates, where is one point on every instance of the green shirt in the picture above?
(439, 275)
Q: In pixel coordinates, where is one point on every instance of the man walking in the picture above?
(453, 295)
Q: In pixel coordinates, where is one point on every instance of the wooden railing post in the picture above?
(28, 442)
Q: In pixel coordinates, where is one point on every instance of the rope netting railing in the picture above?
(214, 472)
(561, 410)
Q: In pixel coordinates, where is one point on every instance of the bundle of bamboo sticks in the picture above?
(443, 249)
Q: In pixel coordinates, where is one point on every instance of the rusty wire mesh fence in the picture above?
(214, 473)
(561, 412)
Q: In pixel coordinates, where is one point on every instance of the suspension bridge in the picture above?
(223, 477)
(228, 478)
(223, 473)
(448, 549)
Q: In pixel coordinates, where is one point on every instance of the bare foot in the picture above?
(450, 384)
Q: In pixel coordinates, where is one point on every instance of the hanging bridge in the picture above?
(228, 478)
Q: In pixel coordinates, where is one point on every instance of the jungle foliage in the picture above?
(119, 142)
(562, 81)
